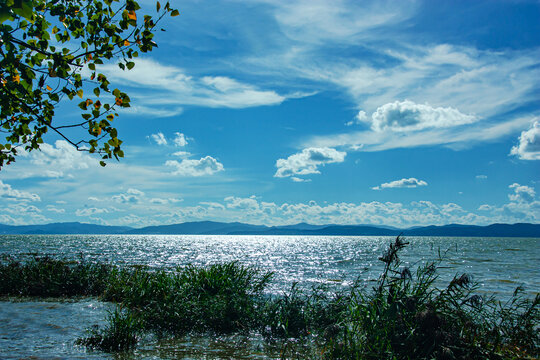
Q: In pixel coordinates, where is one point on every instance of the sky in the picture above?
(399, 113)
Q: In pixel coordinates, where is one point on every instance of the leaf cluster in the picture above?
(50, 50)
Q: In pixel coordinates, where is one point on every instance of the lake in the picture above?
(47, 329)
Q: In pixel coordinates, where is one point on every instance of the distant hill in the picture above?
(198, 228)
(63, 228)
(236, 228)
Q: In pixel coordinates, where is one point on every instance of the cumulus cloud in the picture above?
(90, 211)
(529, 144)
(522, 193)
(308, 161)
(180, 139)
(250, 203)
(22, 208)
(7, 192)
(159, 138)
(408, 116)
(53, 161)
(522, 207)
(204, 166)
(361, 117)
(403, 183)
(252, 210)
(132, 196)
(54, 209)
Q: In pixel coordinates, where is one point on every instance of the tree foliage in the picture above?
(50, 51)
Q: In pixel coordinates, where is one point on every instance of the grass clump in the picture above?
(221, 298)
(48, 277)
(121, 334)
(405, 316)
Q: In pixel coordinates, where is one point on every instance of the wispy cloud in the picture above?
(171, 86)
(456, 137)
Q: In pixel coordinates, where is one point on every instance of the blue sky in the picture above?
(399, 113)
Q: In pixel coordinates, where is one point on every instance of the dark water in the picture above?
(44, 330)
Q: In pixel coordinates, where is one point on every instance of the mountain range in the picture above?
(236, 228)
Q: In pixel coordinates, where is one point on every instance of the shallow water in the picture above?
(45, 329)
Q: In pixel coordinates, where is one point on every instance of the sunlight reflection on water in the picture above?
(499, 264)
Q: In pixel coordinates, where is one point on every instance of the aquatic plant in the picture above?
(122, 333)
(405, 316)
(48, 277)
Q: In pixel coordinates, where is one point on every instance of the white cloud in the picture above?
(529, 144)
(7, 192)
(522, 207)
(318, 22)
(481, 177)
(90, 211)
(308, 161)
(403, 183)
(134, 220)
(456, 138)
(21, 214)
(180, 139)
(204, 166)
(22, 208)
(132, 196)
(153, 112)
(408, 116)
(297, 179)
(182, 154)
(250, 203)
(158, 201)
(53, 161)
(55, 209)
(252, 210)
(522, 193)
(485, 207)
(171, 86)
(361, 117)
(159, 138)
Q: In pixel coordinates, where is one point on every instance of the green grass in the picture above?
(48, 277)
(122, 333)
(404, 315)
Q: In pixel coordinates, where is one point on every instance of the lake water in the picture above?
(48, 329)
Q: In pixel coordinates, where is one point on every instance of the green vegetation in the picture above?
(44, 48)
(404, 315)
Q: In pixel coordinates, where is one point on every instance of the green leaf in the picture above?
(5, 14)
(102, 163)
(130, 65)
(175, 13)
